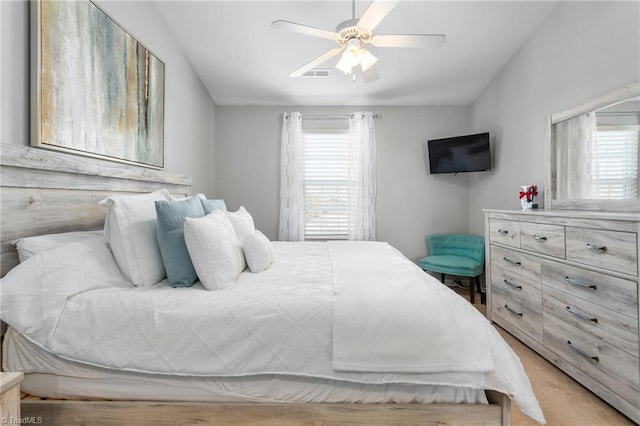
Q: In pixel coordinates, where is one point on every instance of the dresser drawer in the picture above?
(512, 282)
(612, 367)
(613, 293)
(613, 250)
(614, 328)
(505, 232)
(522, 311)
(513, 264)
(541, 238)
(513, 287)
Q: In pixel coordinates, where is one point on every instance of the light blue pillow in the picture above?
(212, 205)
(175, 256)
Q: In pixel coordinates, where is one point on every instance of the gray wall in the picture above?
(583, 50)
(411, 203)
(189, 110)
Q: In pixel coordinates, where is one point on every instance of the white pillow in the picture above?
(258, 251)
(242, 223)
(198, 195)
(130, 229)
(29, 246)
(214, 249)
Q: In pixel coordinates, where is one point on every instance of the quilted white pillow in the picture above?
(28, 246)
(242, 223)
(258, 251)
(214, 249)
(130, 229)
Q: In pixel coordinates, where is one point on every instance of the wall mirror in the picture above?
(593, 154)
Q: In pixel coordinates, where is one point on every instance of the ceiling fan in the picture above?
(353, 34)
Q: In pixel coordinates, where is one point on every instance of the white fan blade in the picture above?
(303, 29)
(375, 13)
(317, 61)
(409, 40)
(370, 75)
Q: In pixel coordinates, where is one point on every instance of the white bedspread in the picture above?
(73, 302)
(389, 316)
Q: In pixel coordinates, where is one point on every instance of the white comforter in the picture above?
(389, 316)
(73, 301)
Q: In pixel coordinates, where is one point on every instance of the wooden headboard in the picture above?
(43, 192)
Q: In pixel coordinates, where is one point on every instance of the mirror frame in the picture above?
(550, 201)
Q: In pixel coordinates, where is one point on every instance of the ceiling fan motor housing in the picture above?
(349, 29)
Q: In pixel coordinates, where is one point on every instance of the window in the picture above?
(328, 178)
(615, 168)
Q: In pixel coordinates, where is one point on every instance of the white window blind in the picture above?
(616, 163)
(327, 171)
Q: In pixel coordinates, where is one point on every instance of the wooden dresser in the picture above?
(566, 284)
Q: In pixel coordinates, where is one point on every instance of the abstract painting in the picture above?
(97, 90)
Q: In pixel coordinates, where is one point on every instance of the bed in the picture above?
(311, 366)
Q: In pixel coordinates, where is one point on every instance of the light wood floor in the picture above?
(564, 401)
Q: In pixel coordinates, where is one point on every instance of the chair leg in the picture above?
(442, 278)
(483, 294)
(472, 293)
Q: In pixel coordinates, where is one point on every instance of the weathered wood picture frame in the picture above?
(96, 90)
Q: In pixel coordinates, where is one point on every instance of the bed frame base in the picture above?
(265, 414)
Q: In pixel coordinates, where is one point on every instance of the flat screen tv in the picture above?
(469, 153)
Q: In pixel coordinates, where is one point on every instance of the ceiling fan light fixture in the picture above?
(348, 60)
(366, 59)
(355, 55)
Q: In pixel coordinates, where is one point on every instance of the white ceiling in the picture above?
(243, 61)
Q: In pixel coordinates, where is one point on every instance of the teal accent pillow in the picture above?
(170, 229)
(213, 205)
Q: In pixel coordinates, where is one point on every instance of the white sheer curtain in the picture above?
(363, 190)
(575, 157)
(291, 180)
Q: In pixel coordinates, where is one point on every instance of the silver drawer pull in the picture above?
(539, 238)
(503, 231)
(580, 315)
(512, 311)
(577, 283)
(512, 262)
(512, 285)
(600, 249)
(582, 352)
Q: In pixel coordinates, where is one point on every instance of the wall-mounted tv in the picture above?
(469, 153)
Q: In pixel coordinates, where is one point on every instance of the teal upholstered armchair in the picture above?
(456, 254)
